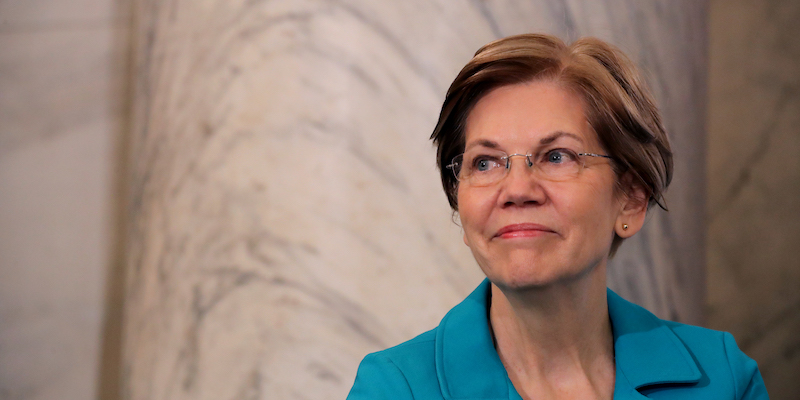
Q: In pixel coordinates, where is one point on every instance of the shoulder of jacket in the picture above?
(420, 347)
(704, 343)
(686, 331)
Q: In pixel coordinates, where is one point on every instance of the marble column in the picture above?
(285, 212)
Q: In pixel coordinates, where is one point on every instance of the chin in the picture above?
(525, 283)
(524, 277)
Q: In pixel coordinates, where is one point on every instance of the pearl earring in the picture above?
(624, 227)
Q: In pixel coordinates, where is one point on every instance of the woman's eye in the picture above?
(483, 164)
(559, 156)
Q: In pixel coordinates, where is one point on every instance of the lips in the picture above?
(522, 230)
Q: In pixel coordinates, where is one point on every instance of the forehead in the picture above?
(528, 114)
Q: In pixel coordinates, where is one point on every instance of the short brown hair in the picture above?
(619, 106)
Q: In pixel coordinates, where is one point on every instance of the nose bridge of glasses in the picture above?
(527, 157)
(525, 172)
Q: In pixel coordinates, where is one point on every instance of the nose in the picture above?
(522, 186)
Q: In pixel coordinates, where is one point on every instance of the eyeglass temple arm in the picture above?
(595, 155)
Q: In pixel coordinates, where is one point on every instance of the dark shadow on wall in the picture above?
(109, 383)
(754, 184)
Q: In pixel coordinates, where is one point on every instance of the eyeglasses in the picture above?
(484, 167)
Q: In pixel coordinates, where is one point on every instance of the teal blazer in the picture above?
(655, 359)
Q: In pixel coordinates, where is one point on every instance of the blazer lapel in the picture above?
(467, 363)
(646, 351)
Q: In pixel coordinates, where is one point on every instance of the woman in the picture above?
(552, 155)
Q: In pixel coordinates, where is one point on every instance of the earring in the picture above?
(624, 227)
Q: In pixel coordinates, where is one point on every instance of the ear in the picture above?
(633, 209)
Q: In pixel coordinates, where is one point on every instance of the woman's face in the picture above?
(526, 230)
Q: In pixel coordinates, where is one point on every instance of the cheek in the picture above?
(594, 208)
(474, 209)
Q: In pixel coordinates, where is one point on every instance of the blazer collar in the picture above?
(467, 363)
(647, 352)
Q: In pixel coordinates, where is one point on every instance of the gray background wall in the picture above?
(64, 96)
(754, 184)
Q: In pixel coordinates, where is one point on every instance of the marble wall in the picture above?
(285, 214)
(754, 184)
(62, 96)
(62, 99)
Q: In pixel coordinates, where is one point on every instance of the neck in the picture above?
(557, 336)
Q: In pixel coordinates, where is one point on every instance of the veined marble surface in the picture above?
(754, 185)
(286, 216)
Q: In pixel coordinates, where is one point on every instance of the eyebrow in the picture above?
(543, 141)
(483, 143)
(557, 134)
